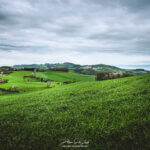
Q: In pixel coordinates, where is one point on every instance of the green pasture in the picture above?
(24, 84)
(64, 76)
(111, 114)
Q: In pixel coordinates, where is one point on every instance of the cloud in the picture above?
(82, 27)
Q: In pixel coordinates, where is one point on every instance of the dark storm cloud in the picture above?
(89, 26)
(136, 5)
(2, 17)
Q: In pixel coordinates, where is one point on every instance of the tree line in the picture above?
(109, 75)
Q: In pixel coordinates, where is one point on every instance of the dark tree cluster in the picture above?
(6, 70)
(26, 69)
(108, 75)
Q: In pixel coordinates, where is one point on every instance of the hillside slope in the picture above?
(64, 76)
(24, 84)
(112, 114)
(31, 84)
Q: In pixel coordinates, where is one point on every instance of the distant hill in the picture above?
(84, 69)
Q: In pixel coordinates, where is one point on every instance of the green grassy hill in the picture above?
(30, 84)
(112, 114)
(24, 84)
(64, 76)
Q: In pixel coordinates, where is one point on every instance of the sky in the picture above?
(114, 32)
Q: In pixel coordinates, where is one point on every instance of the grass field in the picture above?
(31, 84)
(112, 114)
(64, 76)
(24, 85)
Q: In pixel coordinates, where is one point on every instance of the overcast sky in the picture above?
(115, 32)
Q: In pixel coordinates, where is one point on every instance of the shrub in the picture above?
(67, 82)
(41, 79)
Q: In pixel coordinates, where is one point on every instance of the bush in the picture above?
(67, 82)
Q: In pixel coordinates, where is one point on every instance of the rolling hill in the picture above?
(64, 76)
(111, 114)
(84, 69)
(17, 78)
(32, 84)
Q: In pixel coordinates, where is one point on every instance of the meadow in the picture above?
(65, 76)
(24, 84)
(31, 84)
(110, 114)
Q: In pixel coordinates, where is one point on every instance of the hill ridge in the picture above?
(84, 69)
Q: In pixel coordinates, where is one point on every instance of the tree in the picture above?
(102, 76)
